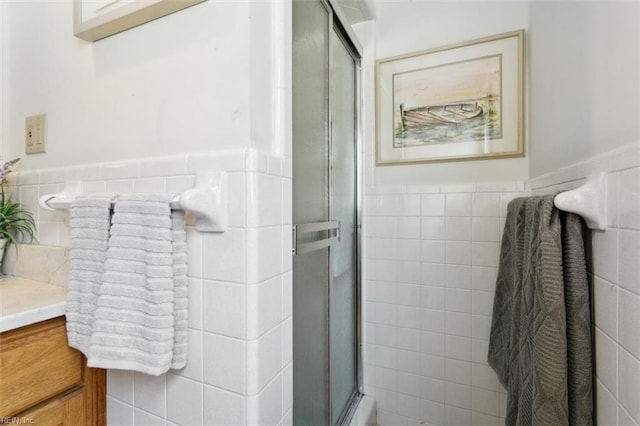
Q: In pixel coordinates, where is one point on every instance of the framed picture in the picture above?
(97, 19)
(458, 102)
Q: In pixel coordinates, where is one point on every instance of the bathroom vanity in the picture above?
(42, 380)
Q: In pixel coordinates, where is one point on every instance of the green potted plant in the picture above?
(16, 224)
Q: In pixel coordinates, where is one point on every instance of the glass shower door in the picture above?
(325, 345)
(343, 337)
(310, 205)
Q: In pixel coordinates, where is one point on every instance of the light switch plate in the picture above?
(35, 134)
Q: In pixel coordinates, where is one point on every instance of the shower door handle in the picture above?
(333, 227)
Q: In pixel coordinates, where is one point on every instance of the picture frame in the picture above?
(458, 102)
(96, 19)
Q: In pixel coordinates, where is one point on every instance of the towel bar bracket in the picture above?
(206, 201)
(588, 200)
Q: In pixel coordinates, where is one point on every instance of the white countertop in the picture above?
(24, 302)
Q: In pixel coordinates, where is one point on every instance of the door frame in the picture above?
(338, 23)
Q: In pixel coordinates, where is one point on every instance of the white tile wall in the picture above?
(459, 227)
(239, 367)
(614, 271)
(431, 262)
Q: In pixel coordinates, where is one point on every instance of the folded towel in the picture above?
(181, 300)
(141, 315)
(145, 220)
(88, 243)
(90, 231)
(141, 232)
(147, 245)
(138, 255)
(145, 206)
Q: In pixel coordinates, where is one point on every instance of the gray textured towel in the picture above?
(540, 343)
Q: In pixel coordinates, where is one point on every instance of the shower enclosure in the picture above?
(325, 216)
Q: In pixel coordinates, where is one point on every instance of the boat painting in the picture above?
(458, 122)
(455, 102)
(438, 114)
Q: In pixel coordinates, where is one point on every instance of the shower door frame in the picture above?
(349, 40)
(336, 24)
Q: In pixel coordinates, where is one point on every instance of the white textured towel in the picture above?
(141, 315)
(90, 222)
(137, 316)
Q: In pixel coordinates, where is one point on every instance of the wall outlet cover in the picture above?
(35, 134)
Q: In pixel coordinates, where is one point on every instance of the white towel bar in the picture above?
(207, 200)
(588, 200)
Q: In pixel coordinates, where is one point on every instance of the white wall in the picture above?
(585, 105)
(584, 80)
(205, 89)
(239, 357)
(404, 27)
(614, 274)
(431, 256)
(3, 78)
(179, 84)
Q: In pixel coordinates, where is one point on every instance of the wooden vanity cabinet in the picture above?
(45, 382)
